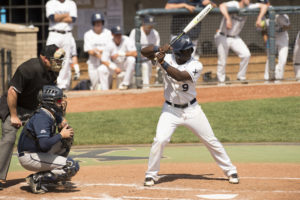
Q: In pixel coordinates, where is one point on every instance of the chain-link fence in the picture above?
(167, 21)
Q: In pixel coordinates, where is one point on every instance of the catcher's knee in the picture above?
(71, 168)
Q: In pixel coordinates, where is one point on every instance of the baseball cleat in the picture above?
(123, 87)
(149, 182)
(234, 178)
(35, 185)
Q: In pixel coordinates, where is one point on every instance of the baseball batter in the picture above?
(95, 41)
(227, 37)
(282, 24)
(148, 36)
(181, 73)
(296, 57)
(119, 57)
(62, 15)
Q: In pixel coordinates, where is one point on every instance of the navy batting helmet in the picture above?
(97, 17)
(49, 96)
(182, 43)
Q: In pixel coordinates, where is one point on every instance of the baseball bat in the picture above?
(194, 22)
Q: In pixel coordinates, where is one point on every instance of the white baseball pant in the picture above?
(146, 73)
(127, 66)
(282, 46)
(296, 57)
(63, 41)
(238, 46)
(193, 118)
(94, 72)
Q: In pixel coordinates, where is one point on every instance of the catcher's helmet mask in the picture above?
(53, 99)
(183, 49)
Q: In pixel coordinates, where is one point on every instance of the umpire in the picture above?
(21, 100)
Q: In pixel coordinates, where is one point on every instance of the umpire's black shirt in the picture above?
(28, 80)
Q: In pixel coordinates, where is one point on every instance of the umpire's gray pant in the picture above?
(7, 141)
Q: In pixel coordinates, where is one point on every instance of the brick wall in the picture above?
(21, 41)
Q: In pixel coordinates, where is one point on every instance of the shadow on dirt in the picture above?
(174, 177)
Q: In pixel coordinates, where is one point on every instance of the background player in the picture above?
(282, 24)
(95, 41)
(119, 57)
(296, 57)
(40, 149)
(227, 37)
(148, 36)
(180, 74)
(62, 15)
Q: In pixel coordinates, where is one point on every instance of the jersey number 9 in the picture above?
(185, 87)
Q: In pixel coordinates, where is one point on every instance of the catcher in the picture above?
(41, 149)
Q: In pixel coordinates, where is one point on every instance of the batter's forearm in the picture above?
(175, 73)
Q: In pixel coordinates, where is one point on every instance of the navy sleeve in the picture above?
(47, 143)
(51, 18)
(73, 19)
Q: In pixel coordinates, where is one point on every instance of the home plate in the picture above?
(217, 196)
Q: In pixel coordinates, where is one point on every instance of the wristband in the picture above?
(156, 48)
(165, 65)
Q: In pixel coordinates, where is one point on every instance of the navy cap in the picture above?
(148, 20)
(117, 30)
(97, 17)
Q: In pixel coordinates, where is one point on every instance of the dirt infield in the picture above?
(181, 181)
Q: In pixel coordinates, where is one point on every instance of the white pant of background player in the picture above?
(64, 41)
(237, 45)
(296, 57)
(124, 77)
(193, 118)
(282, 46)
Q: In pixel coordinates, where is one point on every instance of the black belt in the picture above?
(21, 154)
(221, 33)
(61, 32)
(182, 105)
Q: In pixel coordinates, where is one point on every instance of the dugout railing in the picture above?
(206, 45)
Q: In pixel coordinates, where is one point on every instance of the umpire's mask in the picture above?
(57, 60)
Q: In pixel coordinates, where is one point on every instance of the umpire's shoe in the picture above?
(1, 186)
(34, 182)
(149, 182)
(234, 178)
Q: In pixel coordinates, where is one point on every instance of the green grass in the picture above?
(267, 120)
(192, 154)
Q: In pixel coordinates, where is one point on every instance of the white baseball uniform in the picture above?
(125, 63)
(281, 44)
(92, 41)
(296, 57)
(61, 35)
(152, 38)
(226, 39)
(178, 93)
